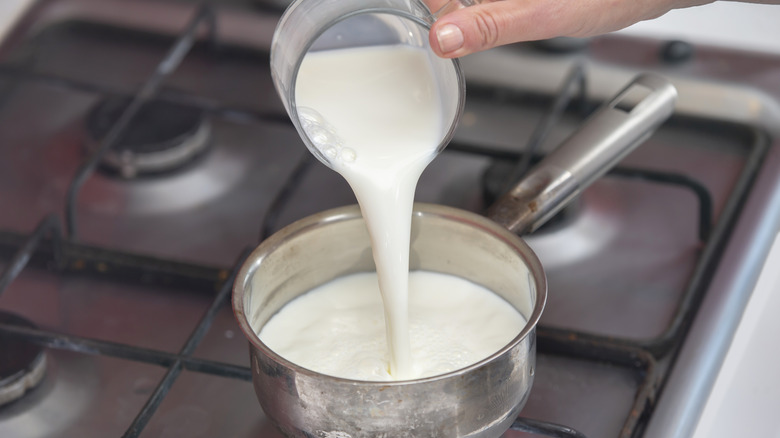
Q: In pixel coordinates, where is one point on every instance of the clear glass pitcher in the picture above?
(313, 25)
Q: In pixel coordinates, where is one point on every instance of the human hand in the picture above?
(494, 23)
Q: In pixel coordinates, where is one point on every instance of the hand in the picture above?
(494, 23)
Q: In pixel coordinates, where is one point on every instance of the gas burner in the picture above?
(495, 181)
(23, 365)
(162, 137)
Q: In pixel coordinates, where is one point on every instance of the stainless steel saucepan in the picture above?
(483, 399)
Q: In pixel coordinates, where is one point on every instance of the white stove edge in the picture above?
(746, 394)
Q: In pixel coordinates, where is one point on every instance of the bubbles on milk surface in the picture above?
(324, 137)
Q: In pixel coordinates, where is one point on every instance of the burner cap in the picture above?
(495, 180)
(162, 137)
(23, 364)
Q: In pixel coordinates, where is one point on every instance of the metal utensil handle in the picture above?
(604, 139)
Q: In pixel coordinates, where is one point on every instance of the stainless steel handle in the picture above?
(604, 139)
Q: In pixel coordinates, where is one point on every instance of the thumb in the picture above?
(473, 29)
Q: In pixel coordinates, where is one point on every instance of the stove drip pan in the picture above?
(23, 365)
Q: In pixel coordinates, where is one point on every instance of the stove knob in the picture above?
(676, 52)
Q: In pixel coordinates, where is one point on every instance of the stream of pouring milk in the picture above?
(376, 113)
(383, 106)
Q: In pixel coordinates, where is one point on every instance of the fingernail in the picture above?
(450, 38)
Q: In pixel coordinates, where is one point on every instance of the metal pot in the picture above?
(480, 400)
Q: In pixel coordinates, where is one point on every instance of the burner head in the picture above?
(495, 180)
(162, 137)
(23, 364)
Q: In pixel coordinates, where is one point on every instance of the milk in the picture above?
(376, 114)
(338, 328)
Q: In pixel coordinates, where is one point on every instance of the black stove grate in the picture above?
(48, 233)
(50, 246)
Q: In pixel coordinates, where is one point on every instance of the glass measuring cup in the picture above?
(315, 25)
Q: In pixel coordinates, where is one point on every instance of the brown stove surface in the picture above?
(128, 283)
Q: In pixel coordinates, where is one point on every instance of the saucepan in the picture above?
(483, 399)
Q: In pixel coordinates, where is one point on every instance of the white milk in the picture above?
(338, 328)
(375, 112)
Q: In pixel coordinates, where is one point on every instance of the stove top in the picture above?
(143, 150)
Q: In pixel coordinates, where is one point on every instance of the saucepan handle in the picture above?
(605, 138)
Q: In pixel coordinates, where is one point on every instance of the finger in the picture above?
(487, 25)
(435, 5)
(491, 24)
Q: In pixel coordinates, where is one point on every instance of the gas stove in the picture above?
(143, 151)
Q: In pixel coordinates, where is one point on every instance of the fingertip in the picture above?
(447, 40)
(455, 35)
(479, 27)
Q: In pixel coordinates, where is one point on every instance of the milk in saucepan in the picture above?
(376, 114)
(338, 329)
